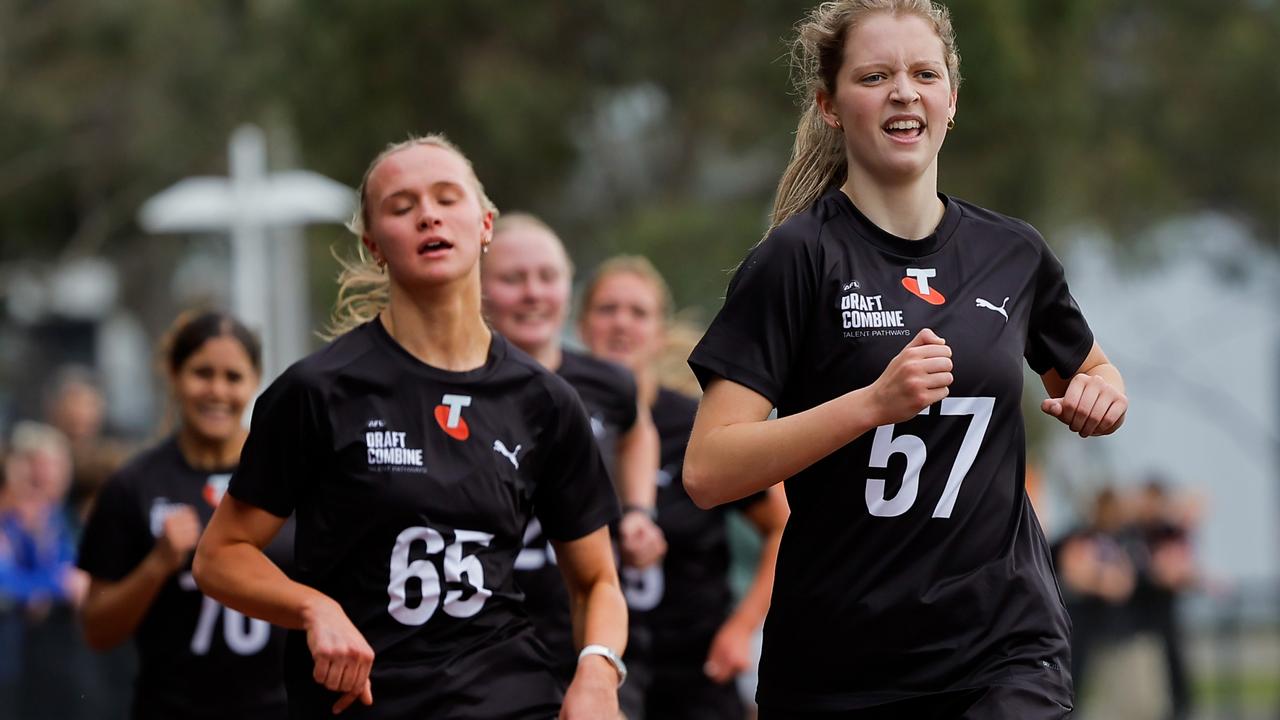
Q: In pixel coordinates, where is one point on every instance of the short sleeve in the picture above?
(116, 537)
(755, 337)
(573, 495)
(1058, 336)
(288, 439)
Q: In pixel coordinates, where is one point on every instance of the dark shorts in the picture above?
(998, 702)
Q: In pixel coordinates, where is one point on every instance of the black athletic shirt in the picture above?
(912, 562)
(196, 659)
(685, 598)
(412, 488)
(609, 393)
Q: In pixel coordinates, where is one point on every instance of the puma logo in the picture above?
(984, 304)
(508, 454)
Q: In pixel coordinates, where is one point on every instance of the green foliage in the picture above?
(1108, 112)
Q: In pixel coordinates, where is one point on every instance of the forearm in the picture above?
(600, 615)
(638, 452)
(754, 606)
(241, 577)
(733, 461)
(113, 610)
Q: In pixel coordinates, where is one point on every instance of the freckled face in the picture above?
(893, 97)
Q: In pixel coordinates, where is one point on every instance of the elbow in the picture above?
(97, 632)
(699, 486)
(201, 567)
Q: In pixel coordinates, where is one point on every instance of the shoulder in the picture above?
(335, 358)
(991, 225)
(519, 366)
(158, 459)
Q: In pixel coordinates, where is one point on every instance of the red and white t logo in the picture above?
(449, 416)
(917, 282)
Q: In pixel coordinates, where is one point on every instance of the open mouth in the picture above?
(904, 128)
(433, 244)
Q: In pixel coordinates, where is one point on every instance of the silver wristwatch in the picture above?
(608, 654)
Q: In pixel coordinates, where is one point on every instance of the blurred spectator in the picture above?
(42, 664)
(1166, 568)
(74, 405)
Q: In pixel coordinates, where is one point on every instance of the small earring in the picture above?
(839, 125)
(951, 123)
(484, 248)
(382, 266)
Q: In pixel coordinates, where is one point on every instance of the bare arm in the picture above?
(734, 452)
(231, 568)
(638, 453)
(1092, 402)
(599, 618)
(730, 651)
(113, 611)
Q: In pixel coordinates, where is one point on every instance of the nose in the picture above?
(429, 217)
(904, 91)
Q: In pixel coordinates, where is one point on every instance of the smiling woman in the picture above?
(137, 544)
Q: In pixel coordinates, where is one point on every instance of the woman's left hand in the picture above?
(1090, 406)
(593, 694)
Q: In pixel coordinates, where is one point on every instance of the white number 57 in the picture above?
(884, 445)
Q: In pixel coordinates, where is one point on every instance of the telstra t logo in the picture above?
(449, 416)
(917, 282)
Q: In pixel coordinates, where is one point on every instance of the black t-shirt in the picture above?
(608, 392)
(196, 659)
(686, 598)
(912, 562)
(412, 488)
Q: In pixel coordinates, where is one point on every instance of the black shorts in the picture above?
(998, 702)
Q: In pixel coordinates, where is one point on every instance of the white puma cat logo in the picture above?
(508, 454)
(984, 304)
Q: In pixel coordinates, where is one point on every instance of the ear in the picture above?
(951, 106)
(372, 247)
(486, 234)
(826, 108)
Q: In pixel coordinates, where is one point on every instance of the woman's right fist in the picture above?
(915, 378)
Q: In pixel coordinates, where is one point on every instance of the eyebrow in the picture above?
(865, 67)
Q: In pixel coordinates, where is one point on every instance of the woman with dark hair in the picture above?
(197, 659)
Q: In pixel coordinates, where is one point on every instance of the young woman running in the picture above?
(414, 449)
(888, 324)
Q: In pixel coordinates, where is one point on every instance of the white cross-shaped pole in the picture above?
(267, 281)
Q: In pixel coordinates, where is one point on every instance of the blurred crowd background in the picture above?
(1140, 136)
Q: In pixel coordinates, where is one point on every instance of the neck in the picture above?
(549, 354)
(441, 326)
(204, 453)
(910, 209)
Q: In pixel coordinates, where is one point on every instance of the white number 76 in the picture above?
(884, 445)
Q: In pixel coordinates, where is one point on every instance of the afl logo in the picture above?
(449, 416)
(917, 282)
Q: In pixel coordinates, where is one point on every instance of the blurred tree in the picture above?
(656, 127)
